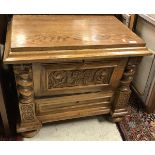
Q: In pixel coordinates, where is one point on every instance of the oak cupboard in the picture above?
(69, 66)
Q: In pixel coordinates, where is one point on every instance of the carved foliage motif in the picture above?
(71, 78)
(23, 75)
(27, 112)
(123, 99)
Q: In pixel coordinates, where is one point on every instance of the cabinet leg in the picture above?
(122, 95)
(24, 81)
(120, 104)
(116, 119)
(29, 134)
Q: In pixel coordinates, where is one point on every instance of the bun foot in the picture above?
(29, 134)
(116, 119)
(118, 115)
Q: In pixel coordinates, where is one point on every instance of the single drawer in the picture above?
(77, 77)
(71, 106)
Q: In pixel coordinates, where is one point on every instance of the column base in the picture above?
(29, 129)
(30, 134)
(117, 115)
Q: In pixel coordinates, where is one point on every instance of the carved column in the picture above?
(123, 93)
(24, 81)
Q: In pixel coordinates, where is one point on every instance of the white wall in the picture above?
(145, 72)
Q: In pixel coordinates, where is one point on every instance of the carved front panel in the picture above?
(72, 78)
(52, 79)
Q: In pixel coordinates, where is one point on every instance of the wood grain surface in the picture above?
(42, 32)
(50, 38)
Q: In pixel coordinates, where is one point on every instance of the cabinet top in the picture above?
(28, 34)
(70, 31)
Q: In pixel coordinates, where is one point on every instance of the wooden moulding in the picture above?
(61, 108)
(29, 56)
(73, 101)
(73, 114)
(63, 56)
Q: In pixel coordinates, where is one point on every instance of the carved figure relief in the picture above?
(72, 78)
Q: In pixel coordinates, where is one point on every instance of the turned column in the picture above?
(123, 93)
(29, 124)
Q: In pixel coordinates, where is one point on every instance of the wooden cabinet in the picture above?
(69, 66)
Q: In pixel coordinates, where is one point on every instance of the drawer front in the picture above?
(72, 106)
(76, 77)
